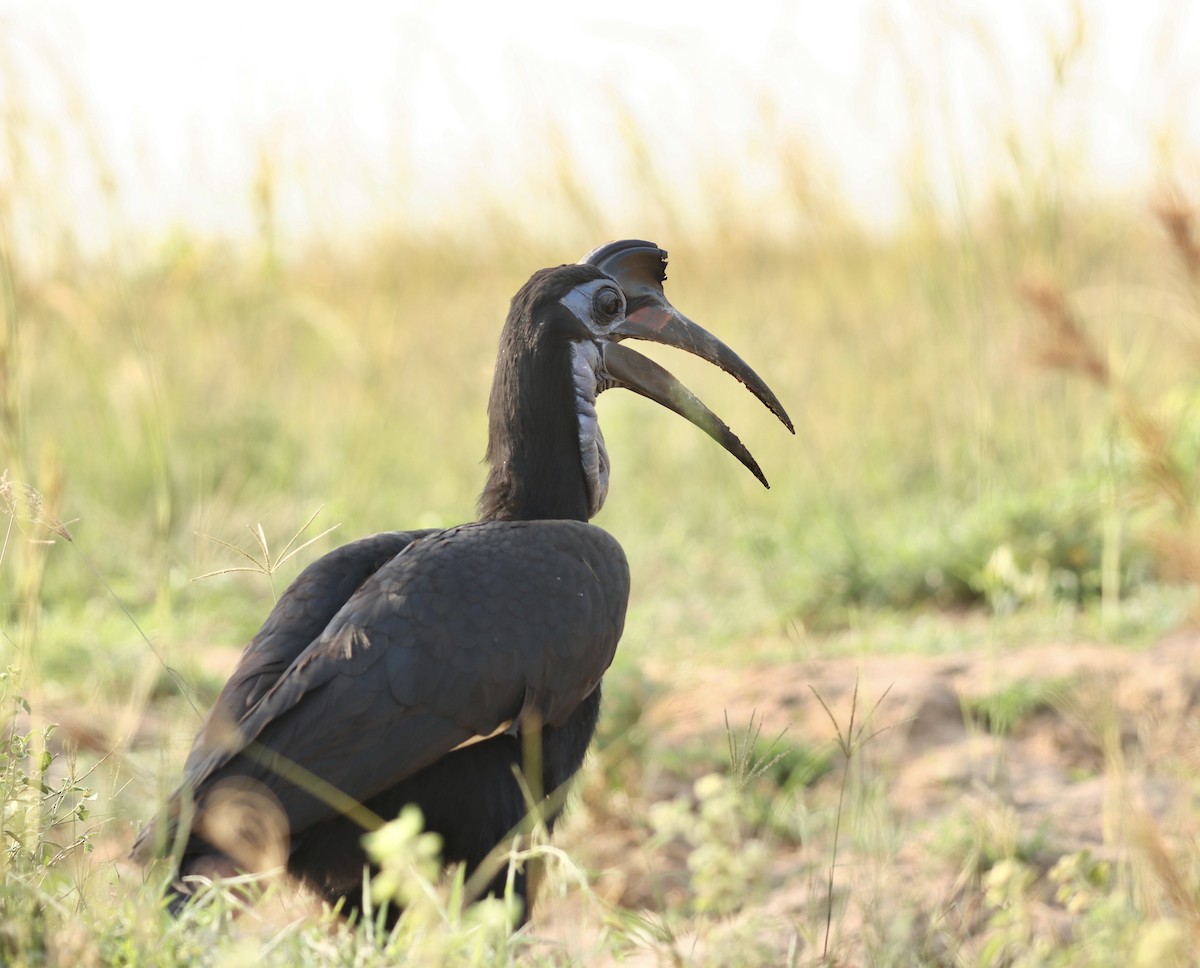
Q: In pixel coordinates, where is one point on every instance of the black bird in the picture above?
(413, 666)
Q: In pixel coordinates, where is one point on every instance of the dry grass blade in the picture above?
(288, 551)
(264, 565)
(23, 502)
(747, 766)
(850, 741)
(256, 565)
(1174, 882)
(1178, 553)
(1063, 343)
(312, 784)
(1178, 216)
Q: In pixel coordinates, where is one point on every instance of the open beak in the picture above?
(640, 268)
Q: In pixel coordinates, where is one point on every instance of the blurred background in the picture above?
(254, 260)
(139, 117)
(256, 264)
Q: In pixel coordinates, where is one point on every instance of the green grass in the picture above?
(1001, 711)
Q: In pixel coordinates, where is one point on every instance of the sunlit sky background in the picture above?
(369, 113)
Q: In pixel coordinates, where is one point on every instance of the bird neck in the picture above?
(533, 453)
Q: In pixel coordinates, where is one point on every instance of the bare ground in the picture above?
(1099, 755)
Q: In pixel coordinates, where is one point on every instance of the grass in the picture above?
(166, 410)
(988, 458)
(1001, 711)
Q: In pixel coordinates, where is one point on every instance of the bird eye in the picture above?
(608, 303)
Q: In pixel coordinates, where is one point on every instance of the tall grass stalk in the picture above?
(850, 742)
(1164, 472)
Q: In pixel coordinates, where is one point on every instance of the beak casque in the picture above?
(639, 268)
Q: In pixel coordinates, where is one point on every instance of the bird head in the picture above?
(640, 268)
(572, 320)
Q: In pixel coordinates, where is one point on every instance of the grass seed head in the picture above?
(1177, 215)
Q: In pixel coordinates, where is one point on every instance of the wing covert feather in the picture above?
(466, 629)
(299, 617)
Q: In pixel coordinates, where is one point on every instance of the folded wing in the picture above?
(450, 639)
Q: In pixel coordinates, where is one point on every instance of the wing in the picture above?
(301, 614)
(464, 631)
(299, 617)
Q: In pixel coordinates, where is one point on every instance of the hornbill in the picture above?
(414, 666)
